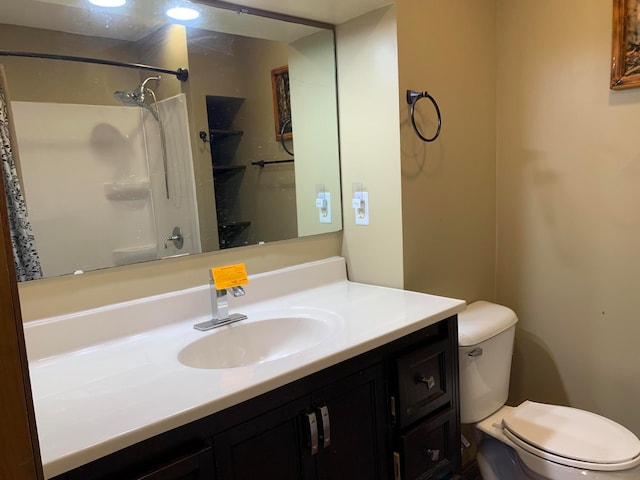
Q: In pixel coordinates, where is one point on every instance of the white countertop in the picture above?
(108, 378)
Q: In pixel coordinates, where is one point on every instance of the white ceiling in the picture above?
(138, 18)
(328, 11)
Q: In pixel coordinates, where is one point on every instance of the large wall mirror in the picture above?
(121, 165)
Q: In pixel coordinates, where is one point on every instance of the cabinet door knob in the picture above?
(430, 382)
(313, 432)
(434, 455)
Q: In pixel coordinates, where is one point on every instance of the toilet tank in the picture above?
(485, 342)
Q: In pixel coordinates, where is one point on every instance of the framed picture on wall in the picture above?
(281, 102)
(625, 55)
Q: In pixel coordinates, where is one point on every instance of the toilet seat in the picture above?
(572, 437)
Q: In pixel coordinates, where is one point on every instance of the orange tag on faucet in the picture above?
(229, 276)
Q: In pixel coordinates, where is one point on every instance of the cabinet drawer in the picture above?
(424, 381)
(425, 449)
(195, 466)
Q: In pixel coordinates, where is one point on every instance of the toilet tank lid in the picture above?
(482, 320)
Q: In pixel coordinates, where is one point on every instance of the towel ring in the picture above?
(282, 132)
(412, 99)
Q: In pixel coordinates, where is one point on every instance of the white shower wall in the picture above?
(91, 179)
(180, 209)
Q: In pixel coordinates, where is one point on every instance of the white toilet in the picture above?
(533, 440)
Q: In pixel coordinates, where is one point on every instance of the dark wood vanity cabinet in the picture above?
(158, 458)
(391, 413)
(425, 412)
(336, 432)
(358, 420)
(193, 466)
(268, 444)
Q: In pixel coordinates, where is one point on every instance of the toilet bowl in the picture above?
(533, 441)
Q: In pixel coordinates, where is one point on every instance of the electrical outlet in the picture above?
(361, 207)
(323, 203)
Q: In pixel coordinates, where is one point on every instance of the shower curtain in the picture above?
(24, 250)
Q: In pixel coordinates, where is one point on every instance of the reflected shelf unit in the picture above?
(228, 169)
(216, 134)
(224, 139)
(229, 233)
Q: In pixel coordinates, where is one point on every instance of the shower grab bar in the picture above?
(262, 163)
(181, 74)
(412, 99)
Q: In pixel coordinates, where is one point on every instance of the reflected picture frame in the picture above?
(281, 102)
(625, 45)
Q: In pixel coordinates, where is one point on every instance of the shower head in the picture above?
(137, 97)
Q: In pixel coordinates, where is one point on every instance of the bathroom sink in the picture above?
(255, 342)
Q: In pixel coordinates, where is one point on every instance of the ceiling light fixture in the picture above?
(108, 3)
(183, 13)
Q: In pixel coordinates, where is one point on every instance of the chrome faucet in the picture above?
(220, 307)
(220, 303)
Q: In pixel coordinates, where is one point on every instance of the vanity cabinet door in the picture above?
(352, 426)
(269, 446)
(338, 432)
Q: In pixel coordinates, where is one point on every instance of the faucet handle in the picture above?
(176, 237)
(237, 291)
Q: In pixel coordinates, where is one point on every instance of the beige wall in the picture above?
(38, 80)
(164, 48)
(267, 196)
(370, 145)
(312, 79)
(432, 207)
(215, 67)
(448, 186)
(236, 66)
(568, 219)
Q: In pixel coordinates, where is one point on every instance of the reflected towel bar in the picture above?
(262, 163)
(181, 74)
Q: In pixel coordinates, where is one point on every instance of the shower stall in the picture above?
(139, 98)
(108, 185)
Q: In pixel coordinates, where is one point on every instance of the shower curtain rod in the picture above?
(181, 74)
